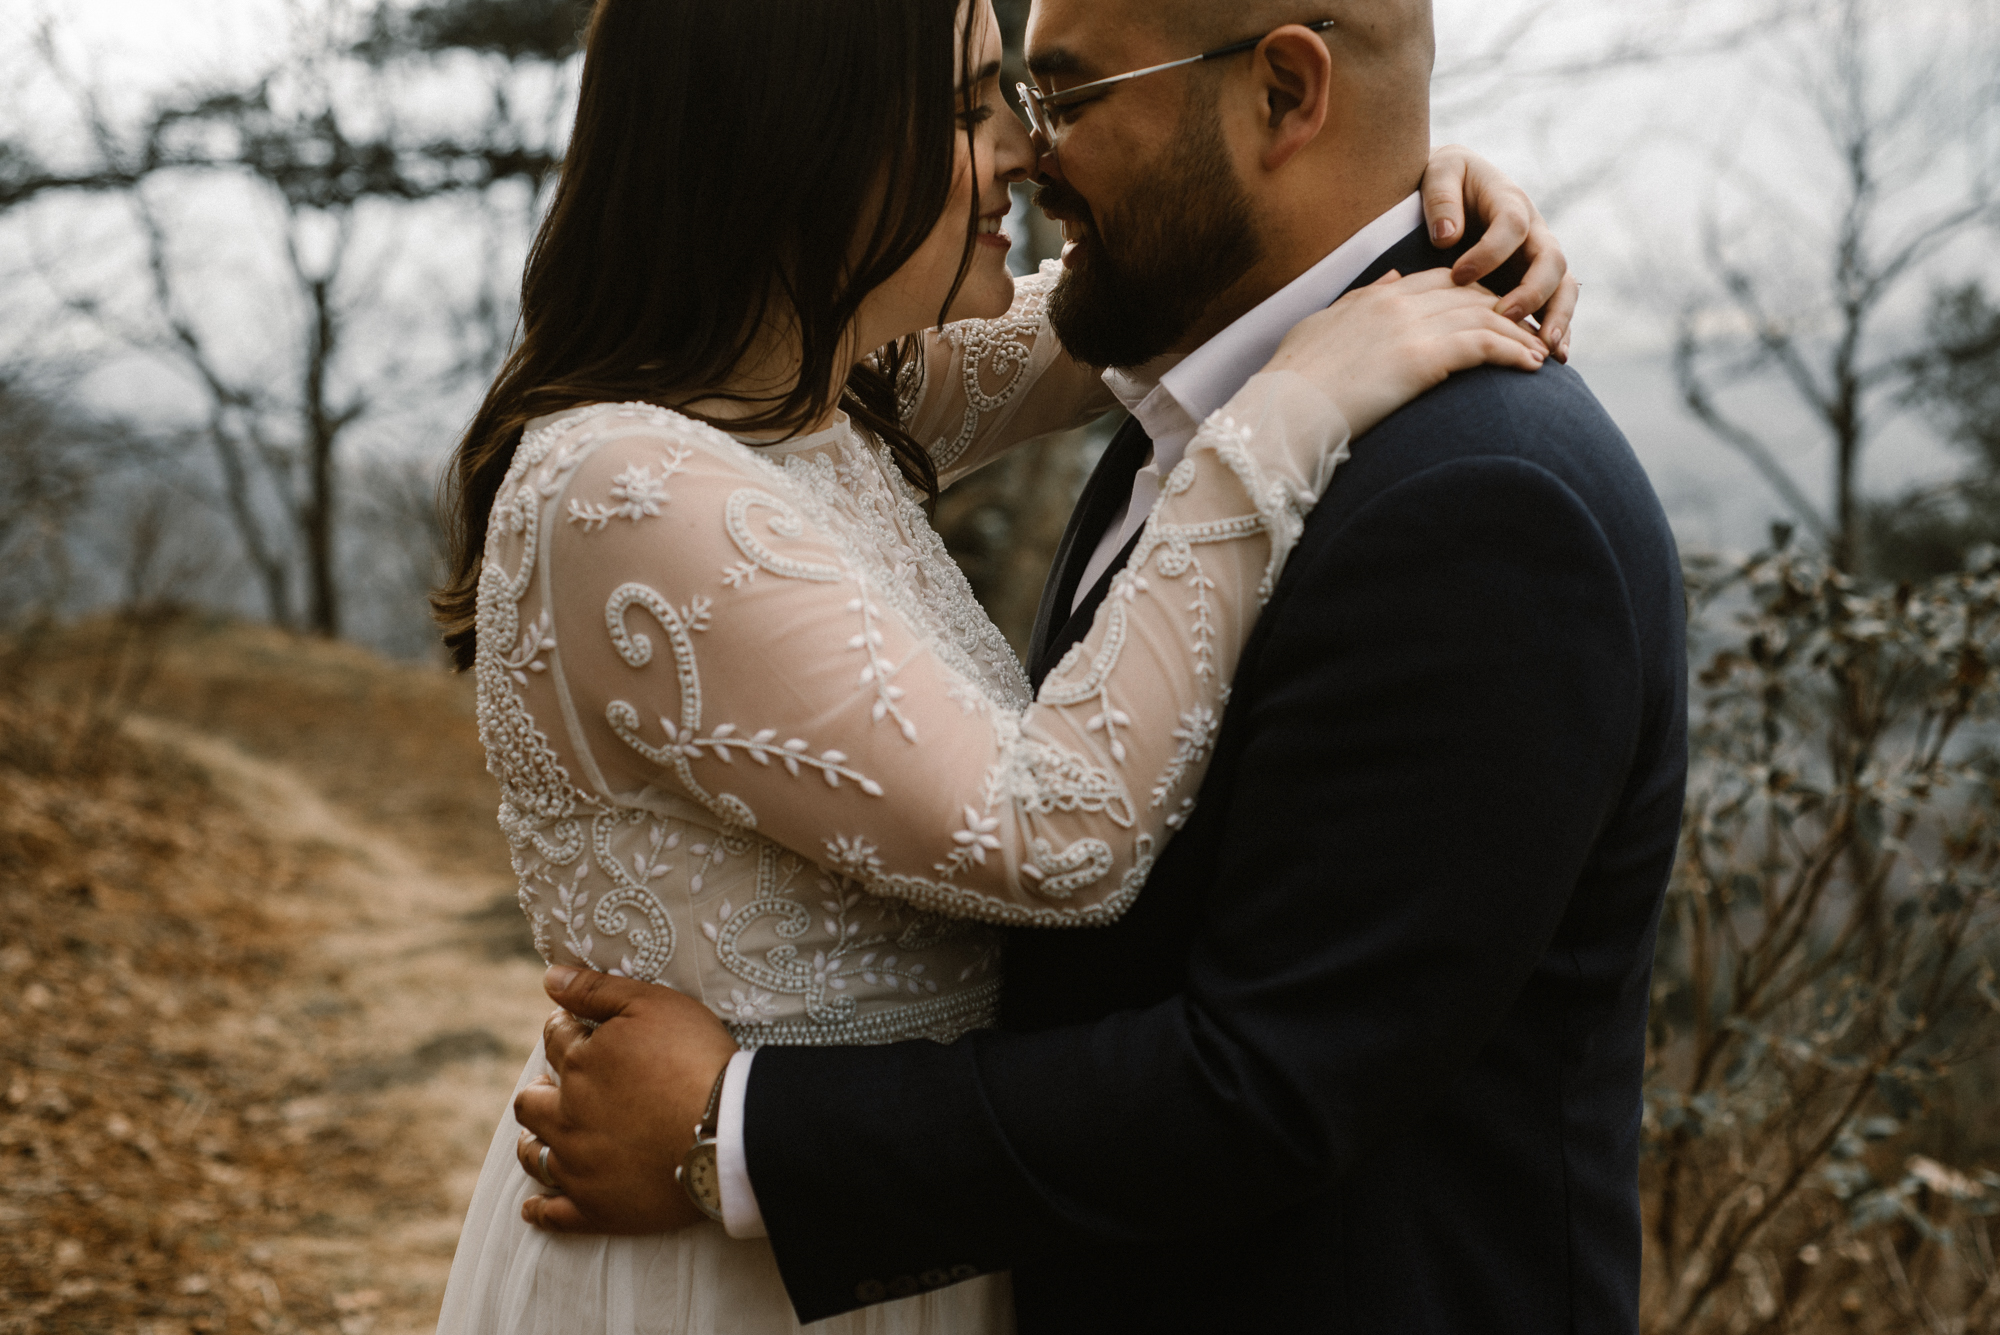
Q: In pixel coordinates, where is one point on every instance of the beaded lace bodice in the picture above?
(757, 741)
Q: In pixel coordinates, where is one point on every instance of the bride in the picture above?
(755, 739)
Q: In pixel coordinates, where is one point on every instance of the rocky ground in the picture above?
(263, 989)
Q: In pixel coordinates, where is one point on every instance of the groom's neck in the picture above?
(1299, 229)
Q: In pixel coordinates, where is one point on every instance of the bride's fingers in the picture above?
(1444, 194)
(1508, 329)
(1511, 226)
(1489, 346)
(1424, 282)
(557, 1214)
(1539, 286)
(1499, 326)
(1462, 338)
(1558, 318)
(1460, 308)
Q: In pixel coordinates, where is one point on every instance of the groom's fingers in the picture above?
(538, 1108)
(528, 1151)
(589, 995)
(561, 1032)
(557, 1214)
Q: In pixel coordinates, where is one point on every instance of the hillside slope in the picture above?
(265, 991)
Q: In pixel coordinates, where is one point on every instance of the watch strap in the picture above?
(702, 1154)
(711, 1115)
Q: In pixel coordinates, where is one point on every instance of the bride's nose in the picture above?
(1014, 154)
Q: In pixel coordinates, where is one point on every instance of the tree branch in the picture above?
(1695, 394)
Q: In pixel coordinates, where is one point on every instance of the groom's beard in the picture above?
(1160, 261)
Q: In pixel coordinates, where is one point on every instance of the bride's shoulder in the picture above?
(590, 437)
(1031, 293)
(1042, 280)
(598, 424)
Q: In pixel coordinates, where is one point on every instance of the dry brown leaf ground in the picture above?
(263, 990)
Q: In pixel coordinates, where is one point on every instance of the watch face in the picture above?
(702, 1178)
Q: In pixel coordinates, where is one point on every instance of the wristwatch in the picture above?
(698, 1174)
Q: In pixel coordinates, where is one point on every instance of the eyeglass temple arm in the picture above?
(1234, 48)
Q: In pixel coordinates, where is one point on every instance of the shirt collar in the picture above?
(1133, 384)
(1178, 393)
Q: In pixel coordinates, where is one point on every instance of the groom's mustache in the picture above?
(1063, 204)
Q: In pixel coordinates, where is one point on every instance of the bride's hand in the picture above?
(1459, 180)
(1378, 347)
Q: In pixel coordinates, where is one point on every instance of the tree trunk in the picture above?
(271, 567)
(322, 427)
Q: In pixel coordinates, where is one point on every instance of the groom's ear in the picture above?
(1294, 80)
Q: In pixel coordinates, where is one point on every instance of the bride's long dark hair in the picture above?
(733, 162)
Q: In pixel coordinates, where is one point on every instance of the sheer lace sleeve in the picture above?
(713, 635)
(984, 386)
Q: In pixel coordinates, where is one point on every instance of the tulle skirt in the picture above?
(511, 1279)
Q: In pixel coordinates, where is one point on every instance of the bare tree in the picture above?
(1506, 54)
(47, 459)
(1806, 285)
(396, 553)
(1955, 383)
(318, 144)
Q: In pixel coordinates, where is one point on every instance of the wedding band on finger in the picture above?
(542, 1170)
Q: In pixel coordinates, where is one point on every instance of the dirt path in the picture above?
(437, 1023)
(264, 993)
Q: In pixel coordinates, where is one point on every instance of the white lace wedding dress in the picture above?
(756, 741)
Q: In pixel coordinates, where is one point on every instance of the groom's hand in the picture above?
(623, 1110)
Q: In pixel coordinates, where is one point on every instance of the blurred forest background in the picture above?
(259, 258)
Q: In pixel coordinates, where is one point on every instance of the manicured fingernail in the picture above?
(1446, 230)
(558, 978)
(1514, 313)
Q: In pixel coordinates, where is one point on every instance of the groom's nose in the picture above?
(1046, 167)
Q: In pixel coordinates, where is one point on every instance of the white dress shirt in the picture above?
(1171, 396)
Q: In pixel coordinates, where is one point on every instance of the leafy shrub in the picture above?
(1825, 1003)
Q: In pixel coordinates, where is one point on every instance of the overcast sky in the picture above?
(1630, 162)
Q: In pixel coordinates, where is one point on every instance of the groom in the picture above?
(1365, 1055)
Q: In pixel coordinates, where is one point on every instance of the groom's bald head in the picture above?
(1398, 30)
(1387, 46)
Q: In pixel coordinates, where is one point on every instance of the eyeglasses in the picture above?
(1036, 105)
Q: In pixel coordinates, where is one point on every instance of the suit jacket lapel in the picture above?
(1079, 622)
(1109, 488)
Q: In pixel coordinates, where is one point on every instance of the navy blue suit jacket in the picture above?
(1365, 1056)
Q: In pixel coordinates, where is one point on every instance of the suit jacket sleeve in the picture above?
(1443, 714)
